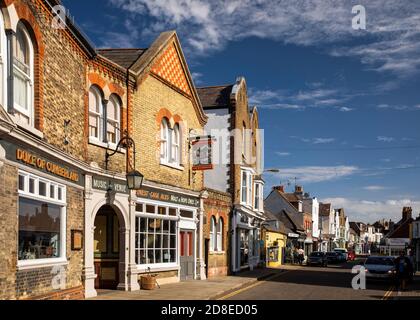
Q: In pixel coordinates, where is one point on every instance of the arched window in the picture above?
(95, 113)
(175, 145)
(164, 137)
(213, 237)
(3, 63)
(23, 75)
(113, 119)
(219, 235)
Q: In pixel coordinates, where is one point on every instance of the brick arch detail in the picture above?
(108, 88)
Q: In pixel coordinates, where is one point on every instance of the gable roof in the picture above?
(122, 57)
(143, 65)
(216, 96)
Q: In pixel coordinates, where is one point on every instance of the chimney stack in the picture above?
(279, 189)
(299, 190)
(407, 213)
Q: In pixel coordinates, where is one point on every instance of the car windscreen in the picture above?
(380, 261)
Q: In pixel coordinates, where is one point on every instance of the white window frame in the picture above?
(97, 114)
(213, 226)
(170, 145)
(3, 63)
(247, 188)
(155, 215)
(258, 186)
(62, 260)
(28, 78)
(219, 235)
(114, 101)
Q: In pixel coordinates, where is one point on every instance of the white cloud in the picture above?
(323, 140)
(371, 211)
(313, 174)
(390, 42)
(374, 188)
(283, 154)
(385, 139)
(346, 109)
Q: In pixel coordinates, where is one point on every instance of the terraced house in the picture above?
(70, 142)
(238, 156)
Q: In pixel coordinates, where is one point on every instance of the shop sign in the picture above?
(293, 235)
(167, 196)
(105, 184)
(202, 153)
(33, 159)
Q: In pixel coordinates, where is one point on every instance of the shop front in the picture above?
(40, 198)
(167, 235)
(275, 248)
(246, 244)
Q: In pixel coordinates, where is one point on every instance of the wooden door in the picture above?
(186, 240)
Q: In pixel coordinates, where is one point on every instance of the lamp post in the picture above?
(134, 178)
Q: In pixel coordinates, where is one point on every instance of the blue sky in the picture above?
(340, 107)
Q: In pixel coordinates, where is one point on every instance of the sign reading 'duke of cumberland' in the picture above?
(202, 153)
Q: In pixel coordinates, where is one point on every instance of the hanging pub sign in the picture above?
(202, 153)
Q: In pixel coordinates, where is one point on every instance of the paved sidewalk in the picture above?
(412, 292)
(210, 289)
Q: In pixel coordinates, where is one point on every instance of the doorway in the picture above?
(107, 248)
(186, 240)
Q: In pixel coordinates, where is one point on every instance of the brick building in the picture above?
(70, 225)
(237, 171)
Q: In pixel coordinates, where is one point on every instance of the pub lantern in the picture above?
(134, 180)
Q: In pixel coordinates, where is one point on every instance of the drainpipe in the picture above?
(204, 195)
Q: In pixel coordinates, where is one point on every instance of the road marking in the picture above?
(230, 295)
(388, 293)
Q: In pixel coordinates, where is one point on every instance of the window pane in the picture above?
(162, 210)
(42, 189)
(31, 185)
(20, 91)
(150, 209)
(172, 212)
(173, 255)
(158, 256)
(173, 242)
(143, 223)
(60, 193)
(165, 226)
(52, 191)
(39, 230)
(172, 227)
(139, 207)
(21, 183)
(187, 214)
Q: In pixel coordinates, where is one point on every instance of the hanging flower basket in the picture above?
(148, 282)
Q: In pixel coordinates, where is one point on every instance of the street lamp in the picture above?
(134, 178)
(272, 170)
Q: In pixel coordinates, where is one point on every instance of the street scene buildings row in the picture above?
(115, 167)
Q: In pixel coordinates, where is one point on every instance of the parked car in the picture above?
(380, 267)
(332, 257)
(317, 258)
(352, 256)
(343, 251)
(341, 257)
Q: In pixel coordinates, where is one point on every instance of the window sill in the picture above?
(161, 267)
(172, 166)
(27, 127)
(42, 263)
(106, 145)
(218, 253)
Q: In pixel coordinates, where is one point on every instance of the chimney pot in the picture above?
(279, 189)
(299, 189)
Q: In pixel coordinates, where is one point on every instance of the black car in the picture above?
(333, 257)
(317, 258)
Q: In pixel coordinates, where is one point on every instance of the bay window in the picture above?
(42, 220)
(246, 188)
